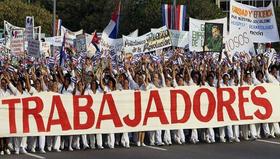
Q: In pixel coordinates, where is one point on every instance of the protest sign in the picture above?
(29, 28)
(259, 23)
(81, 43)
(196, 34)
(213, 41)
(17, 42)
(132, 111)
(179, 38)
(156, 39)
(34, 48)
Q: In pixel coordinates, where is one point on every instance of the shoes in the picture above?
(23, 151)
(17, 152)
(2, 153)
(138, 144)
(223, 140)
(33, 150)
(49, 149)
(57, 150)
(8, 152)
(42, 151)
(70, 149)
(100, 147)
(143, 144)
(236, 139)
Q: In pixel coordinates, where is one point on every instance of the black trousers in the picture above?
(4, 143)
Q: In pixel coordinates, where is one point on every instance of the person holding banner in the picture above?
(37, 88)
(108, 84)
(94, 138)
(272, 77)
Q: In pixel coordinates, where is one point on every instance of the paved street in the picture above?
(260, 149)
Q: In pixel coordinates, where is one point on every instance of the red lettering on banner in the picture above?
(62, 120)
(137, 111)
(107, 98)
(12, 115)
(35, 112)
(225, 103)
(211, 106)
(173, 107)
(263, 102)
(154, 96)
(243, 100)
(86, 108)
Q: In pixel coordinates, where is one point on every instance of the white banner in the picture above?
(29, 28)
(179, 38)
(8, 28)
(131, 111)
(17, 42)
(34, 48)
(156, 39)
(55, 41)
(196, 33)
(259, 22)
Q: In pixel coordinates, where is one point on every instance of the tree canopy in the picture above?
(15, 12)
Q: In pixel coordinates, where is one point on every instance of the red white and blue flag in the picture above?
(177, 21)
(112, 28)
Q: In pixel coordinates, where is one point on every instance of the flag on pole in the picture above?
(112, 28)
(167, 15)
(180, 15)
(95, 41)
(62, 53)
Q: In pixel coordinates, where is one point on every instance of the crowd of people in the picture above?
(172, 67)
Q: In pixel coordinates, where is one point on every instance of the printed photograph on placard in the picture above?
(213, 37)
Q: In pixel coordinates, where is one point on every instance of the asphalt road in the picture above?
(260, 149)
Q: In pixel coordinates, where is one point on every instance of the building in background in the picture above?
(224, 4)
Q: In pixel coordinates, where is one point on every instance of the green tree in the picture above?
(15, 12)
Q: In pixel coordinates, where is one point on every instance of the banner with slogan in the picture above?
(259, 23)
(34, 48)
(179, 38)
(156, 39)
(8, 28)
(70, 36)
(17, 42)
(196, 33)
(131, 111)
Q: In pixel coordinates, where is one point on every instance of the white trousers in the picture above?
(76, 141)
(54, 142)
(125, 139)
(155, 137)
(210, 134)
(194, 135)
(275, 130)
(222, 132)
(33, 141)
(95, 139)
(179, 136)
(20, 142)
(246, 132)
(167, 137)
(111, 140)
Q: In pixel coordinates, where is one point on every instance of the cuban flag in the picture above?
(62, 53)
(112, 28)
(180, 16)
(95, 41)
(167, 17)
(176, 21)
(58, 27)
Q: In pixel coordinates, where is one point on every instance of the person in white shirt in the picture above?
(4, 92)
(32, 141)
(94, 138)
(272, 78)
(79, 90)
